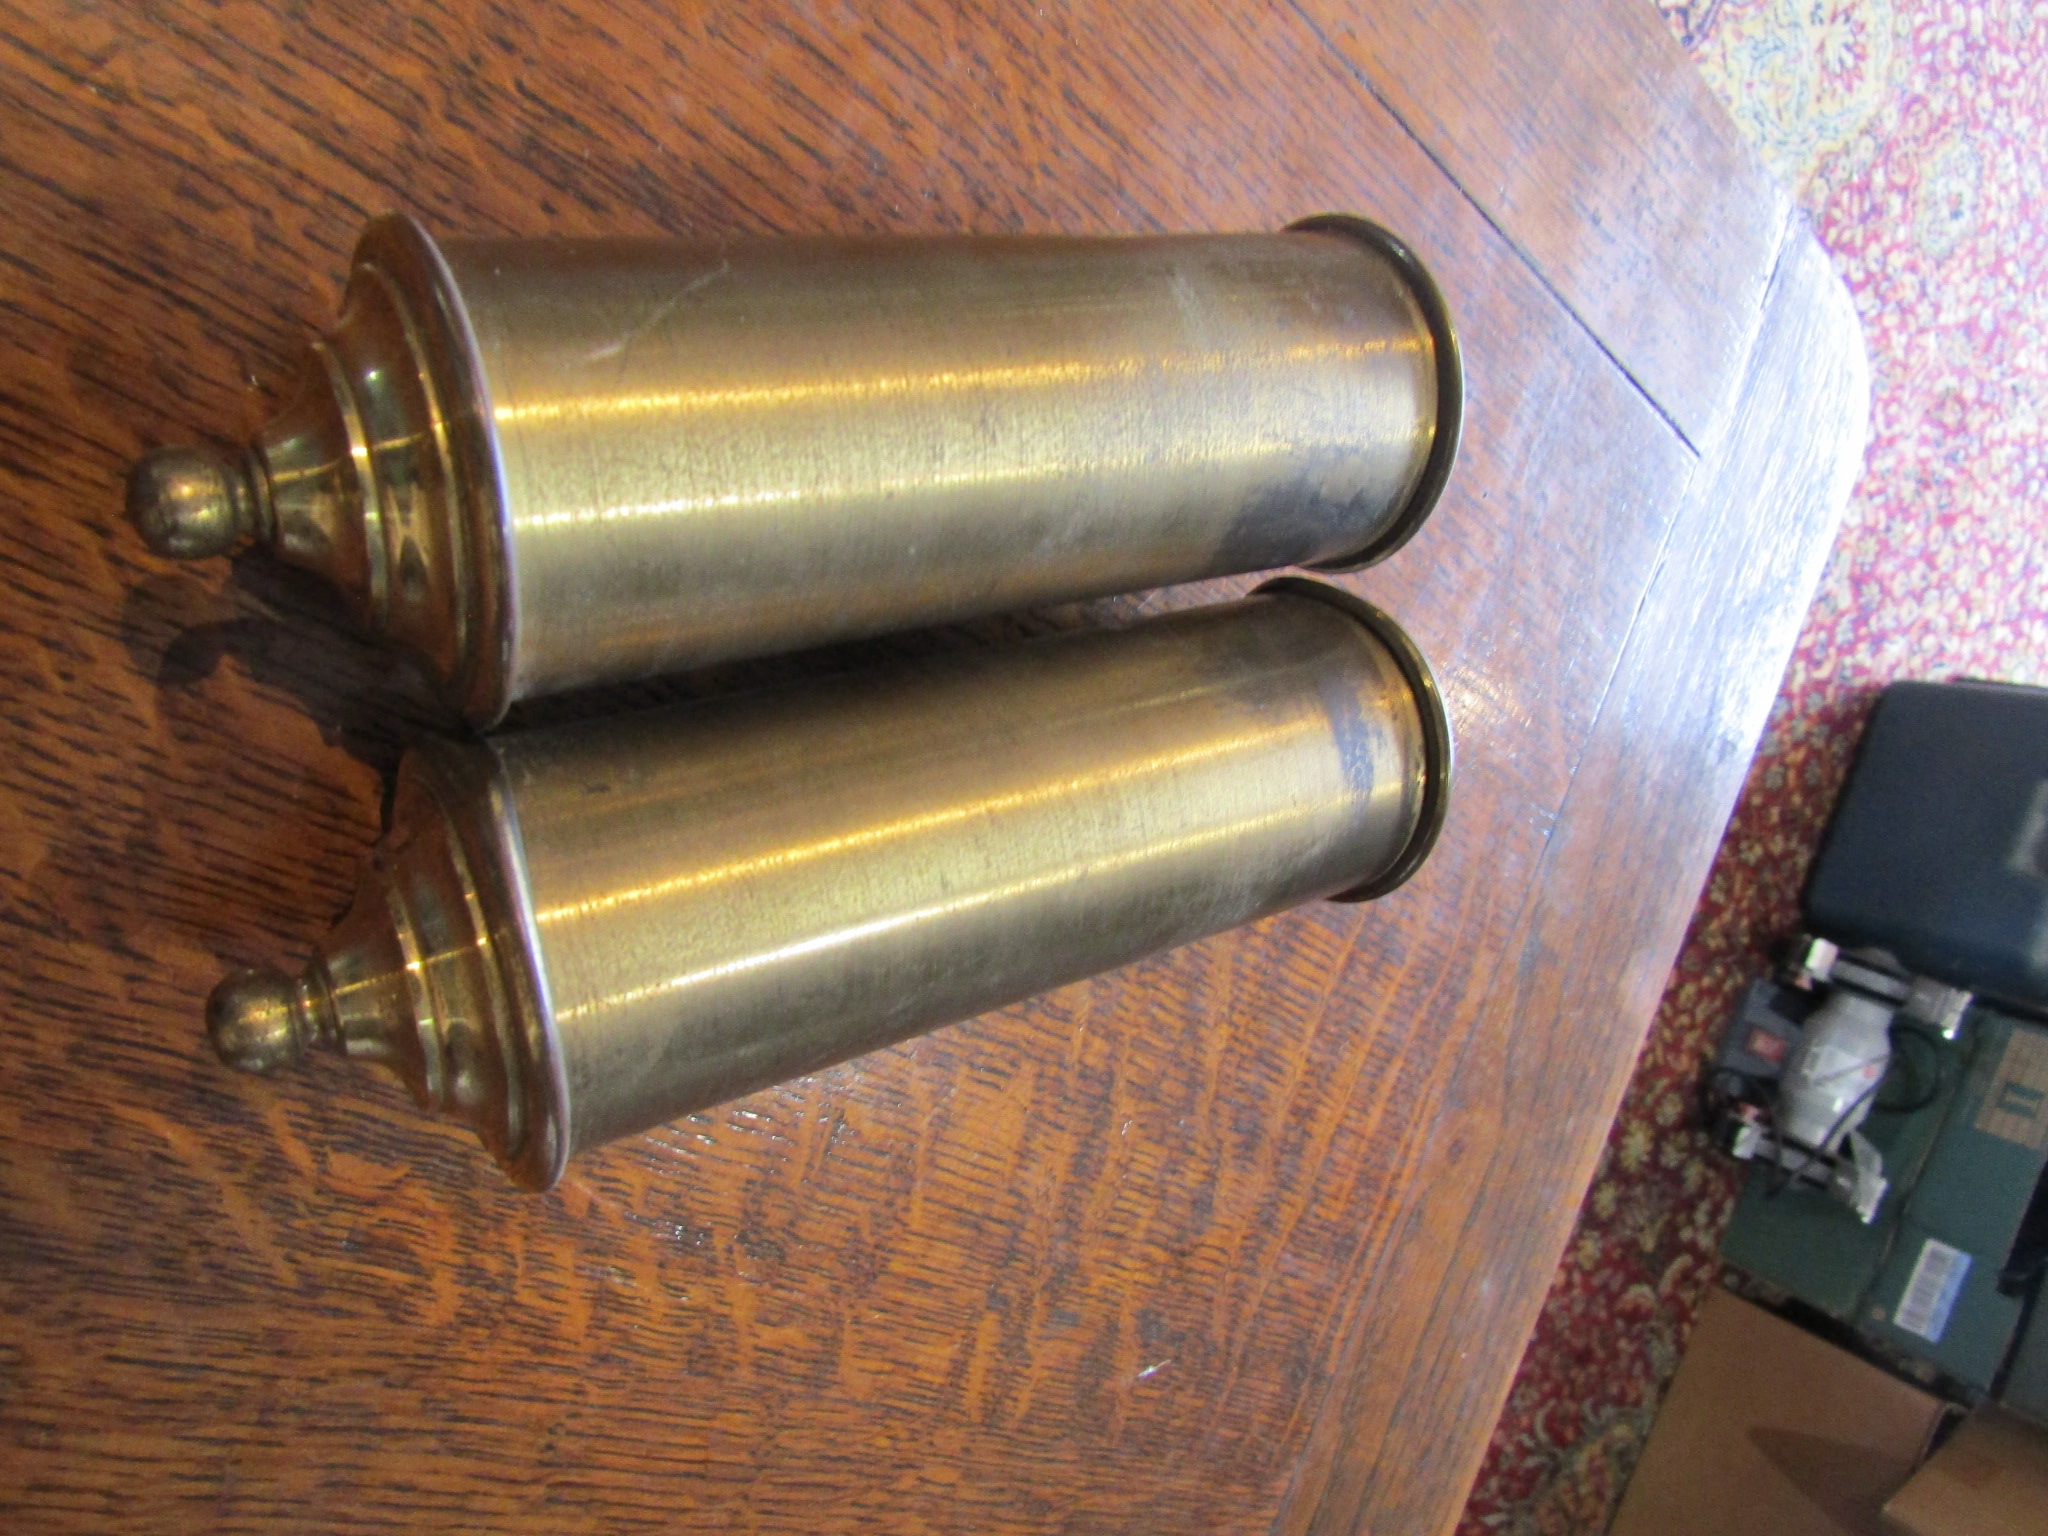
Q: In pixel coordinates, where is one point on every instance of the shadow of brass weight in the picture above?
(574, 934)
(543, 464)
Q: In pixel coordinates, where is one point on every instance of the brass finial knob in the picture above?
(191, 503)
(258, 1021)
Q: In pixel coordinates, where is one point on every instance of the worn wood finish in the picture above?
(1195, 1246)
(1451, 1304)
(1658, 228)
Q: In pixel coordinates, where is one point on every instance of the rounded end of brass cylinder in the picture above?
(1449, 429)
(1439, 749)
(255, 1021)
(192, 503)
(466, 629)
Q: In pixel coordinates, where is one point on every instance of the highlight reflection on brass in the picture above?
(542, 464)
(571, 935)
(676, 402)
(921, 823)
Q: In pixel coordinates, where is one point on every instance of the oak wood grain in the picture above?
(1593, 144)
(1675, 732)
(1123, 1258)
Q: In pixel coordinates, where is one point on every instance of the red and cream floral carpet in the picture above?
(1915, 134)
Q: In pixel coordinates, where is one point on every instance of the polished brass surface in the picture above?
(548, 463)
(574, 934)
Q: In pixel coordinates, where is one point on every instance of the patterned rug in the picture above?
(1916, 135)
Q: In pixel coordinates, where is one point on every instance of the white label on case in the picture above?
(1931, 1293)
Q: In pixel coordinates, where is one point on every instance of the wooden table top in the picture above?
(1246, 1238)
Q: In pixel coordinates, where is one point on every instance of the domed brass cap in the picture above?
(194, 503)
(376, 475)
(429, 975)
(260, 1021)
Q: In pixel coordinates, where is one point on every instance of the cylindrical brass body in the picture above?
(573, 934)
(549, 463)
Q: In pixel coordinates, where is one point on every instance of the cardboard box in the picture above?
(1991, 1479)
(2026, 1389)
(1770, 1431)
